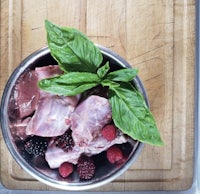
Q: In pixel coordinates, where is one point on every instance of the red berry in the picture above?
(65, 169)
(109, 132)
(114, 154)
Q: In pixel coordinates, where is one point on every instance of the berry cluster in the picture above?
(85, 168)
(65, 141)
(36, 146)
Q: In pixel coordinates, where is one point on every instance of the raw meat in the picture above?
(100, 144)
(25, 96)
(88, 118)
(50, 115)
(52, 111)
(86, 123)
(26, 92)
(56, 156)
(18, 129)
(48, 71)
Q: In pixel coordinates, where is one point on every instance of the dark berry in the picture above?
(85, 167)
(36, 145)
(65, 141)
(26, 155)
(65, 169)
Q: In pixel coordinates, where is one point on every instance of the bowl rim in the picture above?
(30, 59)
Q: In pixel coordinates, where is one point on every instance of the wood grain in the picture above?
(157, 37)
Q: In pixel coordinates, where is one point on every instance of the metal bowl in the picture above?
(105, 172)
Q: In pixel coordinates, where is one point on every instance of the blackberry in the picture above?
(26, 156)
(65, 141)
(85, 167)
(36, 146)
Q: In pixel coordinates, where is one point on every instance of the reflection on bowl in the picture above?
(105, 171)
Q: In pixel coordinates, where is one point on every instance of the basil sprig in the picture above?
(81, 62)
(72, 49)
(70, 84)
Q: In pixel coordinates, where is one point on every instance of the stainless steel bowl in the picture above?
(105, 172)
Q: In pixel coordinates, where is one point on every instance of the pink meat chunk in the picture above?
(52, 111)
(26, 94)
(18, 129)
(48, 71)
(100, 144)
(50, 116)
(89, 118)
(56, 156)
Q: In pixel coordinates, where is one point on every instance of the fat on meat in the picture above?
(88, 118)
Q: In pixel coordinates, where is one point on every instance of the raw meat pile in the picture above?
(66, 131)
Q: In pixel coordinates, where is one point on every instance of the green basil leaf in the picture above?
(72, 49)
(109, 83)
(73, 77)
(132, 116)
(122, 75)
(69, 84)
(66, 89)
(102, 71)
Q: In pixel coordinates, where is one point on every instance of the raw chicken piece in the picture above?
(50, 115)
(25, 96)
(18, 129)
(56, 156)
(88, 118)
(86, 123)
(26, 92)
(48, 71)
(52, 111)
(100, 144)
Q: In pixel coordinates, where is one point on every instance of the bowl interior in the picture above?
(38, 167)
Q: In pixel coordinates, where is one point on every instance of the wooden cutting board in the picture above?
(157, 37)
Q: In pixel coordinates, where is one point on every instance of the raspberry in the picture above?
(85, 168)
(36, 146)
(65, 141)
(109, 132)
(114, 154)
(65, 169)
